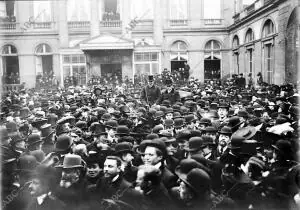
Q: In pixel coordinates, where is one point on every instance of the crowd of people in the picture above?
(155, 145)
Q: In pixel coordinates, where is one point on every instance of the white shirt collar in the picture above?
(158, 165)
(41, 198)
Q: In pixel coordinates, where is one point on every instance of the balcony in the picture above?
(111, 24)
(178, 22)
(79, 26)
(250, 9)
(212, 21)
(8, 26)
(43, 25)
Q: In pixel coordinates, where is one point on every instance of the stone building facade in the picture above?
(116, 37)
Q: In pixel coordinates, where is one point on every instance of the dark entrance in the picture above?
(212, 69)
(111, 70)
(11, 69)
(47, 64)
(176, 65)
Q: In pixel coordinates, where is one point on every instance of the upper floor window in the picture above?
(235, 42)
(142, 9)
(268, 28)
(9, 50)
(246, 3)
(7, 11)
(79, 10)
(42, 11)
(212, 9)
(212, 49)
(111, 10)
(249, 35)
(178, 9)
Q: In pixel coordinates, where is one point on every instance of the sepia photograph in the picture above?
(149, 104)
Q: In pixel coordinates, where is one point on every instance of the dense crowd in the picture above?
(151, 144)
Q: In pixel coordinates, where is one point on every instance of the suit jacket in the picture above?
(130, 173)
(49, 203)
(150, 95)
(168, 178)
(173, 97)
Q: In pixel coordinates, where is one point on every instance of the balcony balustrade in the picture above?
(178, 22)
(111, 24)
(212, 21)
(8, 26)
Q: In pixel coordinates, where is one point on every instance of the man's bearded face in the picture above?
(69, 177)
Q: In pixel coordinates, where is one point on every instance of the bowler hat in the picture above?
(189, 118)
(178, 122)
(168, 122)
(63, 143)
(236, 142)
(249, 147)
(52, 119)
(122, 130)
(198, 180)
(27, 163)
(111, 124)
(186, 165)
(152, 136)
(243, 113)
(106, 117)
(38, 122)
(71, 161)
(123, 147)
(226, 131)
(208, 140)
(284, 147)
(210, 129)
(223, 105)
(194, 144)
(38, 154)
(34, 139)
(150, 78)
(157, 128)
(205, 121)
(159, 114)
(234, 122)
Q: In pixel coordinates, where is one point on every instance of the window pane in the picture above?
(78, 10)
(67, 71)
(146, 56)
(154, 68)
(2, 9)
(142, 69)
(82, 59)
(138, 56)
(66, 59)
(42, 11)
(154, 56)
(216, 45)
(208, 46)
(75, 59)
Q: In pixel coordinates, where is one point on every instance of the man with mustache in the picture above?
(223, 141)
(40, 189)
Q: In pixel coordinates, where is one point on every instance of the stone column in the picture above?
(94, 27)
(63, 24)
(157, 23)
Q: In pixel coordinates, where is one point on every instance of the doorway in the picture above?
(111, 70)
(212, 69)
(11, 69)
(176, 65)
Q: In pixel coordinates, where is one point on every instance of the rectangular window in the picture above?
(250, 60)
(75, 66)
(212, 9)
(179, 9)
(269, 62)
(146, 63)
(236, 63)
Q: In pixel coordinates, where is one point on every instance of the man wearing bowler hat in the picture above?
(72, 187)
(151, 93)
(169, 93)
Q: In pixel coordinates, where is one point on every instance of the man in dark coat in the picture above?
(151, 93)
(169, 94)
(40, 189)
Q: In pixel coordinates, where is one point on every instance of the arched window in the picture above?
(235, 42)
(9, 50)
(268, 28)
(43, 49)
(249, 35)
(179, 46)
(212, 50)
(212, 60)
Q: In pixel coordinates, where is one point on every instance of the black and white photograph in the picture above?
(149, 104)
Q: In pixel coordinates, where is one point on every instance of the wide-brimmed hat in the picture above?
(46, 130)
(71, 161)
(246, 132)
(194, 144)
